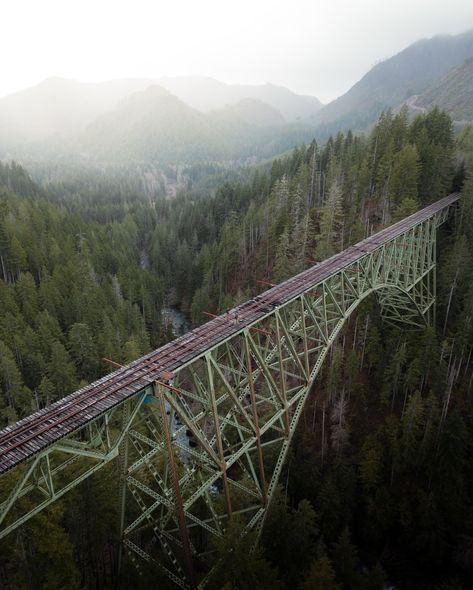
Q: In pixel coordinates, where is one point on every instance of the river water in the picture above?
(180, 325)
(180, 322)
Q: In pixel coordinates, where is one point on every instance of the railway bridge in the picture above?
(200, 428)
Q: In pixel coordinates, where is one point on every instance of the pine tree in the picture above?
(345, 561)
(320, 575)
(83, 351)
(330, 238)
(371, 463)
(26, 291)
(17, 259)
(60, 371)
(412, 427)
(282, 265)
(239, 569)
(406, 207)
(433, 136)
(18, 396)
(131, 350)
(403, 184)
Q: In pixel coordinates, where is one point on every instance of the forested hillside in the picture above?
(389, 82)
(379, 484)
(320, 200)
(453, 93)
(58, 108)
(72, 292)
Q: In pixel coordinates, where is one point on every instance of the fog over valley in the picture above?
(236, 295)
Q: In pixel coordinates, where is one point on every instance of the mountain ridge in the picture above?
(60, 107)
(155, 125)
(205, 93)
(393, 80)
(453, 93)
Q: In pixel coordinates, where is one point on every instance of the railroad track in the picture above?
(32, 434)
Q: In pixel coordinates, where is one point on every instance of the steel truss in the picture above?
(213, 444)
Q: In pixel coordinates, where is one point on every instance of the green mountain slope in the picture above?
(58, 109)
(208, 94)
(253, 111)
(452, 93)
(393, 80)
(155, 126)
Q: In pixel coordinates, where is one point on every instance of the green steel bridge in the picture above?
(201, 427)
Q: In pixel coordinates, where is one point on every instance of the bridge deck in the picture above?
(34, 433)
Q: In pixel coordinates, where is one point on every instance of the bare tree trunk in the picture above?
(446, 403)
(323, 433)
(287, 480)
(450, 357)
(404, 402)
(372, 167)
(364, 342)
(460, 363)
(354, 333)
(454, 284)
(4, 271)
(467, 366)
(312, 181)
(422, 383)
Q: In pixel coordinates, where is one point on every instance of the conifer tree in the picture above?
(403, 184)
(83, 351)
(282, 264)
(345, 560)
(320, 575)
(330, 237)
(60, 371)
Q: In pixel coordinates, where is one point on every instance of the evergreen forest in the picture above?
(378, 488)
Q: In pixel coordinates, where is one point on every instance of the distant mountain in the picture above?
(59, 108)
(153, 125)
(207, 94)
(390, 82)
(156, 126)
(252, 111)
(452, 93)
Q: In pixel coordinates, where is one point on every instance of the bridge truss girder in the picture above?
(237, 405)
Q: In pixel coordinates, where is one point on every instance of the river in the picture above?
(180, 322)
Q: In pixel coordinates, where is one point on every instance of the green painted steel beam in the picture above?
(214, 444)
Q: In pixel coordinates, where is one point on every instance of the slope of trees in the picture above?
(320, 200)
(71, 292)
(379, 483)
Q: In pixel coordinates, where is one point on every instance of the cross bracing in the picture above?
(211, 444)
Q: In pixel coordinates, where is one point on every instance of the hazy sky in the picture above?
(318, 47)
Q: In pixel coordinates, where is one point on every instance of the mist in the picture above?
(319, 48)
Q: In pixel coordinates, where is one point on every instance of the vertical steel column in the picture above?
(181, 517)
(254, 410)
(123, 461)
(218, 436)
(434, 277)
(306, 342)
(283, 378)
